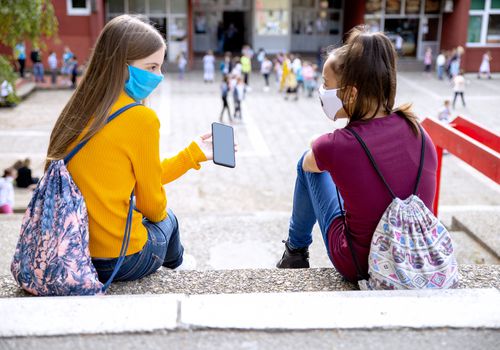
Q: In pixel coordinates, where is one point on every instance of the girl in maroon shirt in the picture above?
(359, 83)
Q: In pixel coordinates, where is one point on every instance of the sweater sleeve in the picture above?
(176, 166)
(151, 200)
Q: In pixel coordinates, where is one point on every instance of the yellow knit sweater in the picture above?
(124, 155)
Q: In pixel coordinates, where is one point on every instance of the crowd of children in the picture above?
(18, 175)
(68, 68)
(293, 76)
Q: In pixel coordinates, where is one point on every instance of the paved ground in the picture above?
(438, 339)
(273, 135)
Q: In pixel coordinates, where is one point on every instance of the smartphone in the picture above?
(223, 145)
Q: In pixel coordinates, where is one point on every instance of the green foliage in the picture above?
(6, 73)
(22, 20)
(26, 20)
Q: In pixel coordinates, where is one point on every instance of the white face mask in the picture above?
(330, 102)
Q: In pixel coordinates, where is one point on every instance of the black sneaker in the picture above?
(294, 258)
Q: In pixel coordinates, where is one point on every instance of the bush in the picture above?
(7, 73)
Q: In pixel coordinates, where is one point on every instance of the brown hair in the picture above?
(367, 61)
(123, 40)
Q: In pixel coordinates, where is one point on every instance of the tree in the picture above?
(26, 20)
(23, 20)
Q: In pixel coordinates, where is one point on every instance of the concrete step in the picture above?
(424, 310)
(24, 88)
(242, 241)
(483, 226)
(166, 281)
(216, 339)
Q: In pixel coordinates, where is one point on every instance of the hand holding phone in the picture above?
(223, 145)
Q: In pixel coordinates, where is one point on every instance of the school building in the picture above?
(303, 26)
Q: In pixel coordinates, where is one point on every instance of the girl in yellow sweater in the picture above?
(123, 155)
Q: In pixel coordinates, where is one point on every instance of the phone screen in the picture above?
(223, 145)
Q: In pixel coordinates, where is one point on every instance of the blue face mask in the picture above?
(141, 83)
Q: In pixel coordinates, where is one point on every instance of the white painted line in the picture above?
(47, 316)
(420, 88)
(478, 176)
(18, 132)
(23, 154)
(482, 98)
(468, 208)
(254, 134)
(347, 310)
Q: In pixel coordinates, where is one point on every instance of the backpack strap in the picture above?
(125, 242)
(78, 147)
(128, 225)
(375, 166)
(360, 274)
(422, 158)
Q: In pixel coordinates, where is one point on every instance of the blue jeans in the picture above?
(38, 72)
(314, 200)
(440, 72)
(163, 247)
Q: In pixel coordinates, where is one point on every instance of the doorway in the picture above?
(405, 29)
(234, 30)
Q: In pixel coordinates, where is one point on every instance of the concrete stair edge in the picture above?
(196, 282)
(464, 309)
(458, 224)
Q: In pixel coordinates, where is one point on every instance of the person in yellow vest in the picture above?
(246, 68)
(286, 70)
(124, 155)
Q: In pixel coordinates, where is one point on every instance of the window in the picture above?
(413, 6)
(320, 17)
(474, 30)
(493, 35)
(393, 7)
(477, 4)
(272, 17)
(116, 6)
(432, 6)
(484, 23)
(373, 6)
(78, 7)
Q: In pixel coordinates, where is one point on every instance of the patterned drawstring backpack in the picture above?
(52, 256)
(410, 248)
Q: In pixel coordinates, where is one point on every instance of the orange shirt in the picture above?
(121, 157)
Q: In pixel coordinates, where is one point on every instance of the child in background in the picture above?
(459, 87)
(181, 64)
(428, 60)
(74, 71)
(445, 113)
(7, 191)
(484, 69)
(66, 68)
(309, 78)
(209, 67)
(53, 67)
(226, 66)
(238, 97)
(236, 71)
(224, 89)
(440, 65)
(266, 69)
(291, 86)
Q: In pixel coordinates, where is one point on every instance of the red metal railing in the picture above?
(470, 142)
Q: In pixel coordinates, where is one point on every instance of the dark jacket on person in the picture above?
(24, 178)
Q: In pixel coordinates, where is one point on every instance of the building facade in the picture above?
(304, 26)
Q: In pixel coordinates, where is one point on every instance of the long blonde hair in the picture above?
(123, 40)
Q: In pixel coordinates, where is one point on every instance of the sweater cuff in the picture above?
(196, 155)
